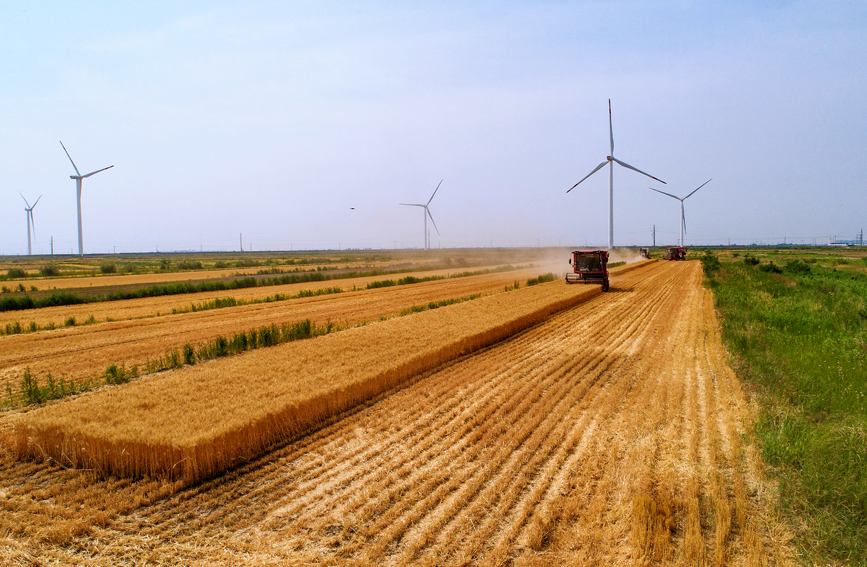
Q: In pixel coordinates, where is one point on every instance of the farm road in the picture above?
(612, 433)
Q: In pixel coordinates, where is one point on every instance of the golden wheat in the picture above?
(198, 421)
(582, 440)
(163, 305)
(84, 352)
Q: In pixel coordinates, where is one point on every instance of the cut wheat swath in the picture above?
(198, 421)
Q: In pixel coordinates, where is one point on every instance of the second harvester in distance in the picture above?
(589, 266)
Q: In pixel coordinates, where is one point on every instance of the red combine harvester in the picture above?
(644, 252)
(590, 266)
(676, 253)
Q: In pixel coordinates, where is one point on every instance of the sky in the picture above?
(304, 125)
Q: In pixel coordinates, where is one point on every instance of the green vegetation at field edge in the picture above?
(797, 329)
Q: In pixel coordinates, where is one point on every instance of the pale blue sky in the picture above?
(273, 120)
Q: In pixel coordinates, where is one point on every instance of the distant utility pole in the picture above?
(52, 245)
(242, 241)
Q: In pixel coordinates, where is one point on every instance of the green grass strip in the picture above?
(798, 334)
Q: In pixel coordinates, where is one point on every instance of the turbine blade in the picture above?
(682, 218)
(33, 224)
(636, 169)
(34, 204)
(70, 159)
(610, 127)
(103, 169)
(431, 219)
(699, 187)
(664, 193)
(411, 205)
(25, 200)
(598, 167)
(434, 193)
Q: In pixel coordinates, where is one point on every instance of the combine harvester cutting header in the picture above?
(589, 266)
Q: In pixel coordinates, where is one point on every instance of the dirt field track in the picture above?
(612, 433)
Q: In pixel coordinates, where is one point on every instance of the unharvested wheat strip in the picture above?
(231, 427)
(84, 351)
(150, 306)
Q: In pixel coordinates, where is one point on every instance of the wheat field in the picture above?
(198, 420)
(163, 305)
(83, 352)
(612, 432)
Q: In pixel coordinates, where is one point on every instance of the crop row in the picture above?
(196, 421)
(55, 317)
(83, 352)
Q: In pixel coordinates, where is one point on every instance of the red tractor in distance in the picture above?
(589, 266)
(676, 253)
(644, 252)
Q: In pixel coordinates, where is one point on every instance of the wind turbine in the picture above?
(29, 210)
(682, 215)
(426, 214)
(610, 160)
(78, 177)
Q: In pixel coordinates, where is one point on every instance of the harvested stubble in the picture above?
(198, 421)
(81, 353)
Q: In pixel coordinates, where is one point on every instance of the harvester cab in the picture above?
(676, 253)
(589, 266)
(644, 252)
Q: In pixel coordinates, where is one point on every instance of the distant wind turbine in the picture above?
(78, 177)
(682, 215)
(611, 160)
(426, 215)
(29, 210)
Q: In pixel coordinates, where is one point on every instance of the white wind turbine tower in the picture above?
(426, 215)
(78, 177)
(682, 215)
(610, 160)
(29, 210)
